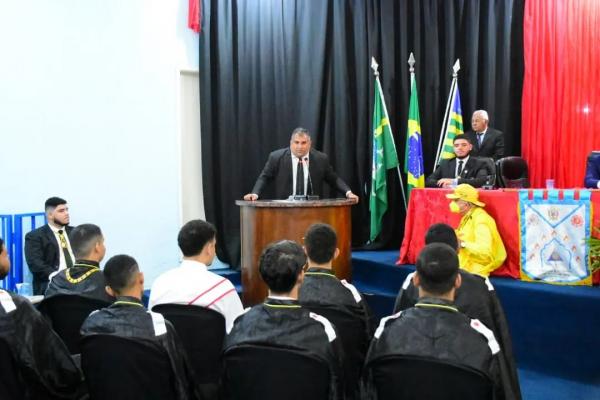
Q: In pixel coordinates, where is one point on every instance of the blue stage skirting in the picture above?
(555, 329)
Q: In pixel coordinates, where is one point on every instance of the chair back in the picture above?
(11, 384)
(202, 332)
(404, 377)
(254, 372)
(491, 173)
(67, 313)
(119, 368)
(352, 333)
(513, 172)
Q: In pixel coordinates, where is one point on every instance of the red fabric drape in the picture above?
(195, 15)
(561, 89)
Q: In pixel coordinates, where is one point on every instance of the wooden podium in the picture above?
(264, 222)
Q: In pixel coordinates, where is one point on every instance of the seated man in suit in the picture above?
(192, 283)
(298, 170)
(281, 321)
(487, 141)
(127, 317)
(592, 171)
(45, 369)
(84, 278)
(322, 290)
(481, 247)
(462, 169)
(434, 328)
(47, 248)
(475, 298)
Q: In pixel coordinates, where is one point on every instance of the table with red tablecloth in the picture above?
(429, 206)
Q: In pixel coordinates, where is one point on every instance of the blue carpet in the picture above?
(539, 386)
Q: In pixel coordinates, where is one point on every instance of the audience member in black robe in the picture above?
(338, 300)
(44, 367)
(281, 321)
(434, 328)
(475, 298)
(127, 317)
(84, 278)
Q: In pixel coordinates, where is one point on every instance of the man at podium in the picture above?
(298, 171)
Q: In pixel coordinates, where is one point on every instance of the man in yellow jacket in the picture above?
(481, 248)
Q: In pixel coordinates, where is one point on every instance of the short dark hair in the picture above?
(461, 136)
(53, 202)
(280, 264)
(300, 131)
(441, 233)
(437, 267)
(120, 272)
(194, 235)
(83, 239)
(1, 244)
(320, 241)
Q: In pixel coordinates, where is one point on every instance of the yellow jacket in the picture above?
(482, 250)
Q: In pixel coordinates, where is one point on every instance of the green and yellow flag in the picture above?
(384, 158)
(454, 126)
(413, 156)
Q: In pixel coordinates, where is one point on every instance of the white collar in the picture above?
(280, 298)
(55, 229)
(464, 159)
(305, 157)
(193, 264)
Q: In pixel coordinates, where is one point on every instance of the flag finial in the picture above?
(374, 66)
(456, 68)
(411, 62)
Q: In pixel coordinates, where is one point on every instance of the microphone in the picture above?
(310, 193)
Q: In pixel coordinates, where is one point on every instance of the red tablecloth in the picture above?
(429, 206)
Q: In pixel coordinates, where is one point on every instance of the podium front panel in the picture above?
(264, 222)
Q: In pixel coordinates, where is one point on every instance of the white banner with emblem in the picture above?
(553, 237)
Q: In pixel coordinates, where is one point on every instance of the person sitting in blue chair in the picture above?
(592, 171)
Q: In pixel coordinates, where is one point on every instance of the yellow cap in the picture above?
(466, 192)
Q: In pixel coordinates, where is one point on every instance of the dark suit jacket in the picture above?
(42, 255)
(492, 146)
(592, 171)
(278, 169)
(474, 173)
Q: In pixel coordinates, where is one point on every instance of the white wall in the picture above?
(89, 95)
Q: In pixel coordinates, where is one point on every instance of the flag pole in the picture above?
(375, 66)
(446, 121)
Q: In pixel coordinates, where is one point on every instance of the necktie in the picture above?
(460, 167)
(65, 249)
(300, 178)
(479, 136)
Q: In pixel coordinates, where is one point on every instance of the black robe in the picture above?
(128, 318)
(323, 293)
(477, 299)
(290, 326)
(322, 288)
(45, 367)
(434, 329)
(83, 279)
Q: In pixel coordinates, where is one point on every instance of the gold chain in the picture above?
(82, 277)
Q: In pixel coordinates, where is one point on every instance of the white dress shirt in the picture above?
(62, 263)
(193, 284)
(464, 164)
(295, 161)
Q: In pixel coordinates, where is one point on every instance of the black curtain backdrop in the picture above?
(268, 66)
